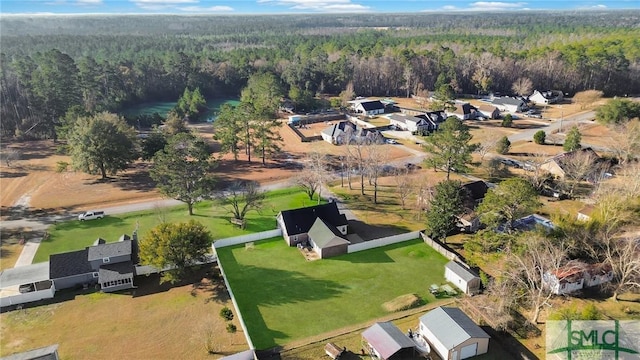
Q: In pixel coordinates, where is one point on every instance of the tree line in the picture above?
(106, 69)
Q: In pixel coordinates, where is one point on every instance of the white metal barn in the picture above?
(462, 277)
(452, 334)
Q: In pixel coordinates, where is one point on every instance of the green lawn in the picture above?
(283, 297)
(75, 235)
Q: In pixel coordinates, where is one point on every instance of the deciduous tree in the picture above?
(181, 170)
(587, 98)
(177, 246)
(242, 197)
(314, 174)
(523, 86)
(102, 144)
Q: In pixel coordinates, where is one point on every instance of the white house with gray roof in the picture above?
(452, 334)
(462, 277)
(510, 104)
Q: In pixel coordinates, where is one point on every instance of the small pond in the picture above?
(163, 107)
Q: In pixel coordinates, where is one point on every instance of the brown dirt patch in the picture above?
(158, 322)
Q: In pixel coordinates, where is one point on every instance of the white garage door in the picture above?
(468, 351)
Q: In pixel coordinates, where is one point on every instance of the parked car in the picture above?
(91, 215)
(390, 141)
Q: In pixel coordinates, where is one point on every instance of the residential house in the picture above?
(410, 123)
(367, 106)
(576, 275)
(546, 97)
(585, 213)
(452, 334)
(338, 134)
(469, 221)
(489, 111)
(385, 341)
(560, 164)
(326, 240)
(435, 118)
(463, 111)
(510, 104)
(111, 265)
(462, 277)
(296, 223)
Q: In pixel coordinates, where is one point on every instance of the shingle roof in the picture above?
(372, 105)
(114, 272)
(463, 272)
(69, 264)
(387, 339)
(477, 189)
(44, 353)
(117, 248)
(299, 221)
(325, 235)
(451, 326)
(507, 101)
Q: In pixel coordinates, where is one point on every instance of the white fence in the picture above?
(22, 298)
(235, 305)
(371, 244)
(246, 238)
(437, 246)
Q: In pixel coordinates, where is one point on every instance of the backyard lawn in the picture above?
(76, 235)
(283, 297)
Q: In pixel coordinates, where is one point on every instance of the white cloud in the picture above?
(201, 9)
(600, 6)
(495, 6)
(157, 5)
(449, 8)
(319, 5)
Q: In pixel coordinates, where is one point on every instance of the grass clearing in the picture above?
(284, 298)
(75, 235)
(152, 322)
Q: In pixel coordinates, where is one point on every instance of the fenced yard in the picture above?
(283, 298)
(75, 235)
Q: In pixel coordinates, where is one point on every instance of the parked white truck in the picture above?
(91, 215)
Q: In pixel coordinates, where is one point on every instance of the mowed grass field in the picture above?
(283, 297)
(76, 235)
(153, 321)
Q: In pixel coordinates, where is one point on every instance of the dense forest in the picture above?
(106, 63)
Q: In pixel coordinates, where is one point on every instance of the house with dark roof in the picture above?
(411, 123)
(44, 353)
(462, 277)
(109, 264)
(385, 341)
(452, 334)
(475, 191)
(367, 106)
(296, 223)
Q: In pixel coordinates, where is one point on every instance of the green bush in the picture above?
(226, 313)
(540, 137)
(507, 121)
(231, 328)
(503, 145)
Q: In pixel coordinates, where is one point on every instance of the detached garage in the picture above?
(462, 277)
(452, 334)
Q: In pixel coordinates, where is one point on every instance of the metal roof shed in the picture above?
(452, 334)
(388, 342)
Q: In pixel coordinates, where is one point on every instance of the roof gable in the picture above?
(508, 101)
(325, 235)
(299, 221)
(115, 272)
(451, 326)
(461, 271)
(387, 339)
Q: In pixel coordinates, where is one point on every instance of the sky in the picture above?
(296, 6)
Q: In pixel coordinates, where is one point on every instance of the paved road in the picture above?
(566, 123)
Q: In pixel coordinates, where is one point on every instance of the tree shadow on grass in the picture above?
(369, 232)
